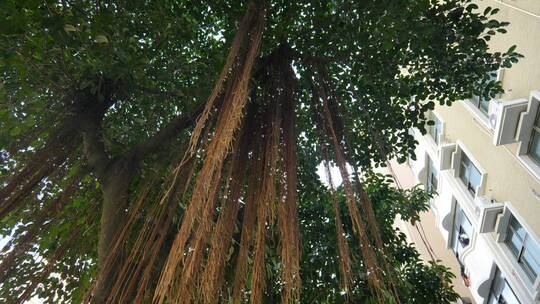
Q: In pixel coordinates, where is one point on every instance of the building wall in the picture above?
(510, 183)
(523, 31)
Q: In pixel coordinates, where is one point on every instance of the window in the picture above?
(435, 130)
(469, 174)
(461, 232)
(431, 182)
(524, 249)
(534, 145)
(482, 103)
(500, 291)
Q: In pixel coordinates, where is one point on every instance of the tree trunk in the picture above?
(115, 187)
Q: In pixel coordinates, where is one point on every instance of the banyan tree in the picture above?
(167, 151)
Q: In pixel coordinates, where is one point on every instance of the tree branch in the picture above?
(93, 146)
(154, 91)
(167, 133)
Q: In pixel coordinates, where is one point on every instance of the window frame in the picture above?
(519, 255)
(432, 173)
(479, 103)
(461, 150)
(465, 178)
(483, 104)
(455, 233)
(435, 131)
(492, 295)
(535, 130)
(524, 132)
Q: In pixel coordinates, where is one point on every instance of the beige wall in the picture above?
(523, 31)
(507, 178)
(531, 6)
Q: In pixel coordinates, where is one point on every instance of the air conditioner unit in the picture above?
(445, 156)
(504, 118)
(493, 113)
(487, 211)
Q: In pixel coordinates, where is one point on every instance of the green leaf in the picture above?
(15, 131)
(69, 28)
(471, 7)
(101, 39)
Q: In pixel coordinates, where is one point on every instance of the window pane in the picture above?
(514, 242)
(516, 226)
(466, 224)
(531, 257)
(431, 131)
(475, 100)
(464, 173)
(465, 160)
(500, 291)
(537, 121)
(497, 287)
(484, 106)
(475, 176)
(432, 175)
(435, 129)
(534, 150)
(508, 296)
(530, 263)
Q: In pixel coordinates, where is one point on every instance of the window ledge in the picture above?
(530, 165)
(478, 116)
(429, 143)
(517, 271)
(506, 261)
(463, 197)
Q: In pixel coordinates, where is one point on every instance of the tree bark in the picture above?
(115, 176)
(115, 189)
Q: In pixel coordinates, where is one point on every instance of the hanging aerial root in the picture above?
(265, 200)
(154, 235)
(372, 221)
(44, 162)
(375, 232)
(288, 211)
(185, 290)
(238, 42)
(228, 121)
(344, 251)
(118, 244)
(136, 269)
(45, 219)
(248, 220)
(212, 278)
(132, 265)
(50, 265)
(365, 201)
(374, 275)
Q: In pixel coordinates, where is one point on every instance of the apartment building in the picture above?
(483, 159)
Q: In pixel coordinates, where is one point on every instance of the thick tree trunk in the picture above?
(115, 186)
(115, 176)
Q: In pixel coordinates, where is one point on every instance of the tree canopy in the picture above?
(167, 151)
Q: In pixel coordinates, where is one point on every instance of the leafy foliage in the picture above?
(320, 270)
(111, 90)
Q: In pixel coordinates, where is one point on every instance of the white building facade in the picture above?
(483, 159)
